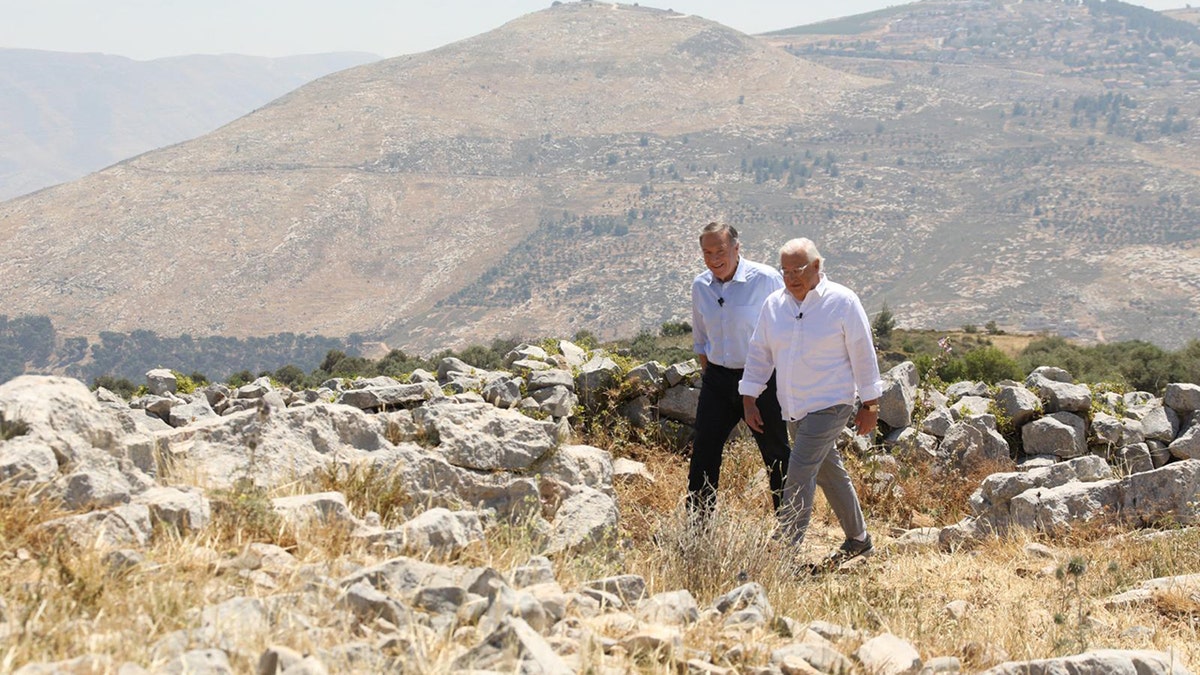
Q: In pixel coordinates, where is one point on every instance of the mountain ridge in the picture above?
(68, 114)
(496, 187)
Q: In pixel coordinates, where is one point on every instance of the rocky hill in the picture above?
(964, 161)
(63, 116)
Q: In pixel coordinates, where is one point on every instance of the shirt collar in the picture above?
(822, 286)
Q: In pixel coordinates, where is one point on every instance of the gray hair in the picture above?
(802, 245)
(719, 228)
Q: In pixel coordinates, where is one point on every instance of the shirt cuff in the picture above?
(871, 391)
(749, 389)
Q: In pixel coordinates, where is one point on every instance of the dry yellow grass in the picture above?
(61, 602)
(1019, 604)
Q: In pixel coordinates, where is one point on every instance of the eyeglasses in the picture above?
(795, 271)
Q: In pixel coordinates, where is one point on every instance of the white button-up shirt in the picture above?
(724, 314)
(821, 359)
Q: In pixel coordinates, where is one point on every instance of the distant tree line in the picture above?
(31, 344)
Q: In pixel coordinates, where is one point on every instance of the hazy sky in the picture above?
(146, 29)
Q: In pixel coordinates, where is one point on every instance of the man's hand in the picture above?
(750, 412)
(866, 420)
(703, 359)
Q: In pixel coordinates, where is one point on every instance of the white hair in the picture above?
(801, 245)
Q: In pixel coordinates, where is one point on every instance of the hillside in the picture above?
(1032, 169)
(63, 115)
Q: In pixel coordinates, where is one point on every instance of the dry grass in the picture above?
(61, 602)
(1019, 604)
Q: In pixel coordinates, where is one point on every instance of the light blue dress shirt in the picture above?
(724, 314)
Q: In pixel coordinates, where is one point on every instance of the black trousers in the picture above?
(717, 413)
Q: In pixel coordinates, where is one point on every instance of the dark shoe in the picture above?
(849, 550)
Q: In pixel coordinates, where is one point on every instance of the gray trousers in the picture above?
(815, 461)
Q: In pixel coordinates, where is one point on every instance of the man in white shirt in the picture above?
(726, 299)
(815, 335)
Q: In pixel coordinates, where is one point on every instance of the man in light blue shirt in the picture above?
(815, 336)
(726, 299)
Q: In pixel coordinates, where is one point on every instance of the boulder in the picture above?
(1061, 434)
(899, 395)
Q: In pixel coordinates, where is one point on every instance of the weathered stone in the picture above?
(937, 422)
(824, 659)
(575, 355)
(1054, 509)
(556, 377)
(911, 445)
(276, 659)
(684, 371)
(1058, 395)
(1146, 591)
(367, 603)
(199, 662)
(648, 375)
(513, 647)
(886, 654)
(630, 588)
(970, 406)
(525, 351)
(1170, 492)
(595, 377)
(1182, 397)
(640, 411)
(119, 527)
(161, 382)
(556, 401)
(1187, 444)
(442, 532)
(393, 396)
(583, 519)
(1097, 661)
(503, 392)
(578, 465)
(187, 413)
(26, 461)
(971, 442)
(999, 488)
(958, 390)
(747, 595)
(450, 366)
(537, 570)
(676, 608)
(918, 538)
(61, 413)
(1106, 429)
(628, 470)
(1017, 403)
(1061, 434)
(1135, 458)
(269, 448)
(480, 436)
(899, 395)
(186, 510)
(328, 508)
(679, 404)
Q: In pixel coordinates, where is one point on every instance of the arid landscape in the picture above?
(1025, 163)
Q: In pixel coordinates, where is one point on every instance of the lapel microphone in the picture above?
(720, 302)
